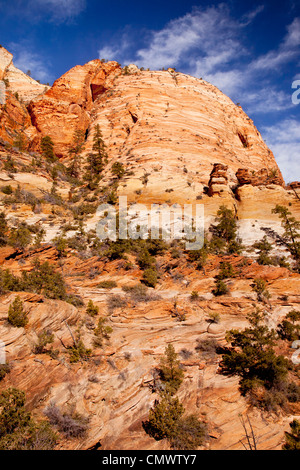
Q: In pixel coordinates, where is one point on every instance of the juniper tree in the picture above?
(225, 232)
(291, 233)
(171, 373)
(75, 151)
(47, 148)
(97, 159)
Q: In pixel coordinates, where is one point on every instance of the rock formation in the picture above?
(180, 140)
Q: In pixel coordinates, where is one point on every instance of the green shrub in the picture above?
(163, 417)
(252, 357)
(16, 315)
(45, 337)
(188, 433)
(221, 288)
(78, 352)
(20, 237)
(102, 332)
(109, 284)
(226, 270)
(118, 170)
(7, 190)
(3, 229)
(171, 373)
(43, 279)
(18, 430)
(292, 438)
(260, 287)
(92, 310)
(150, 277)
(4, 369)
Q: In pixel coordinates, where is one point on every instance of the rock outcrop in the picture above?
(17, 81)
(66, 106)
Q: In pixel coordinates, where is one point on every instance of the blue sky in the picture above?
(249, 49)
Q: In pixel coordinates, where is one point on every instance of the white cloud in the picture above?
(61, 10)
(284, 141)
(56, 11)
(208, 35)
(24, 59)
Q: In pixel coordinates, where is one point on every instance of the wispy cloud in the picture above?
(284, 141)
(25, 59)
(60, 10)
(209, 35)
(55, 11)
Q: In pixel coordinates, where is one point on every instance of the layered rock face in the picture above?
(17, 81)
(155, 122)
(180, 140)
(66, 107)
(20, 89)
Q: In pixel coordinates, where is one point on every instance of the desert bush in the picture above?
(4, 369)
(114, 302)
(252, 357)
(139, 293)
(150, 277)
(207, 346)
(226, 270)
(20, 237)
(292, 438)
(43, 279)
(214, 317)
(109, 284)
(92, 310)
(221, 288)
(16, 315)
(7, 190)
(45, 337)
(288, 329)
(163, 417)
(194, 296)
(78, 352)
(260, 287)
(188, 434)
(70, 424)
(18, 430)
(3, 229)
(102, 331)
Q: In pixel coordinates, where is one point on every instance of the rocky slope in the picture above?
(181, 141)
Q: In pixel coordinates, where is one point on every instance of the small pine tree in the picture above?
(47, 148)
(171, 373)
(118, 170)
(20, 237)
(16, 315)
(92, 310)
(97, 159)
(75, 151)
(291, 233)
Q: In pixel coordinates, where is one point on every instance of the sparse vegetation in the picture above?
(18, 430)
(263, 373)
(16, 314)
(167, 419)
(69, 423)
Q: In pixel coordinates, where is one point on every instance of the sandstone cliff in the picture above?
(180, 140)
